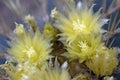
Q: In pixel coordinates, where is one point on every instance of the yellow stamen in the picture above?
(30, 52)
(83, 45)
(78, 26)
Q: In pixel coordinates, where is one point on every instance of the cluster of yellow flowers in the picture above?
(103, 62)
(31, 50)
(79, 32)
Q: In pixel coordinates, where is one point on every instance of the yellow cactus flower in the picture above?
(23, 71)
(77, 22)
(19, 30)
(104, 62)
(83, 47)
(27, 71)
(50, 32)
(31, 22)
(54, 74)
(48, 72)
(31, 47)
(54, 14)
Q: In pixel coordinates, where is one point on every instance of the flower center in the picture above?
(83, 45)
(30, 52)
(78, 26)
